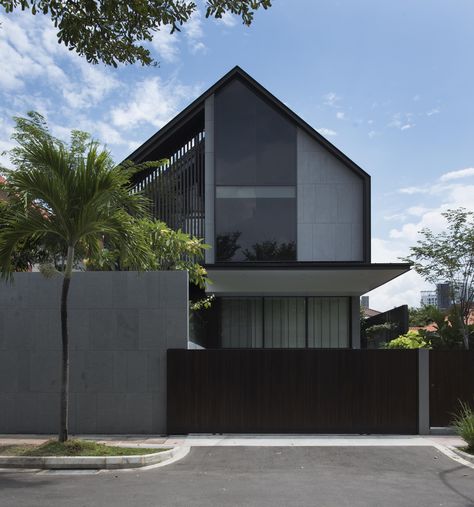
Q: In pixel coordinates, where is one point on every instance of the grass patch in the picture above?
(73, 448)
(464, 425)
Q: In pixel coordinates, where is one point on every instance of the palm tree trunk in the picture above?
(64, 399)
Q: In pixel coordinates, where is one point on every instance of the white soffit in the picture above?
(309, 281)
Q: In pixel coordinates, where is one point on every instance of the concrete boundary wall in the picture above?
(121, 324)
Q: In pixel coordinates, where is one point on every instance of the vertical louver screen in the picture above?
(176, 189)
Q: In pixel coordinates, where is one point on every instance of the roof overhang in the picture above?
(311, 279)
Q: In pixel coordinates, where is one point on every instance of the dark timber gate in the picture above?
(451, 381)
(292, 391)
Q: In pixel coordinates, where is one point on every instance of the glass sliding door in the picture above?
(241, 323)
(284, 324)
(328, 322)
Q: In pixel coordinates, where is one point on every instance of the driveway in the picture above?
(261, 476)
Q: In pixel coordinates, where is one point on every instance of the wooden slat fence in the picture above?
(451, 380)
(292, 391)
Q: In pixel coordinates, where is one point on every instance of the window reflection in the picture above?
(255, 144)
(256, 228)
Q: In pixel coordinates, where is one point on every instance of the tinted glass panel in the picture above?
(255, 229)
(328, 322)
(285, 322)
(241, 324)
(254, 143)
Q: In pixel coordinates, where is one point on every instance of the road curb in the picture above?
(462, 454)
(88, 462)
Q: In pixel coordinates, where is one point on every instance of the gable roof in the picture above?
(192, 112)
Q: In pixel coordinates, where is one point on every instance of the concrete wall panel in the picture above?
(120, 326)
(330, 204)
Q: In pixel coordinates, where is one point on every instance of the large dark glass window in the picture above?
(254, 143)
(255, 224)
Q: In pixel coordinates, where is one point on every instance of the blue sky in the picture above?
(390, 84)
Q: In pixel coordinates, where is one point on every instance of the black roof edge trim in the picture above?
(198, 103)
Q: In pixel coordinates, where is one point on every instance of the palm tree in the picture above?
(65, 197)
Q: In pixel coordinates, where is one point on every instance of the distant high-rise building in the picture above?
(443, 296)
(440, 298)
(429, 298)
(364, 301)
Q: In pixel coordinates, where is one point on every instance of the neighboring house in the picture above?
(369, 312)
(286, 213)
(382, 327)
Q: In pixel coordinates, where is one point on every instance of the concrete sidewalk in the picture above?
(230, 440)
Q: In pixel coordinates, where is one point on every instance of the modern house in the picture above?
(286, 213)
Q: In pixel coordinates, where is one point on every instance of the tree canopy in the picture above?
(64, 196)
(164, 249)
(448, 256)
(114, 32)
(421, 316)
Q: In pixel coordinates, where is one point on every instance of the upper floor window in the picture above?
(255, 223)
(255, 177)
(254, 143)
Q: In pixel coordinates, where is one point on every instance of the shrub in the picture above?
(464, 425)
(411, 340)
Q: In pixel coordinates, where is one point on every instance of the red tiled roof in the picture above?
(369, 312)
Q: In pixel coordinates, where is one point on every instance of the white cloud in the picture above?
(30, 52)
(194, 33)
(372, 134)
(228, 19)
(198, 47)
(166, 45)
(431, 112)
(331, 99)
(413, 190)
(456, 175)
(417, 210)
(14, 56)
(153, 101)
(340, 115)
(6, 129)
(108, 134)
(25, 50)
(442, 185)
(93, 86)
(395, 216)
(401, 121)
(327, 132)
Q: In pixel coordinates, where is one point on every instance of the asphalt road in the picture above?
(261, 476)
